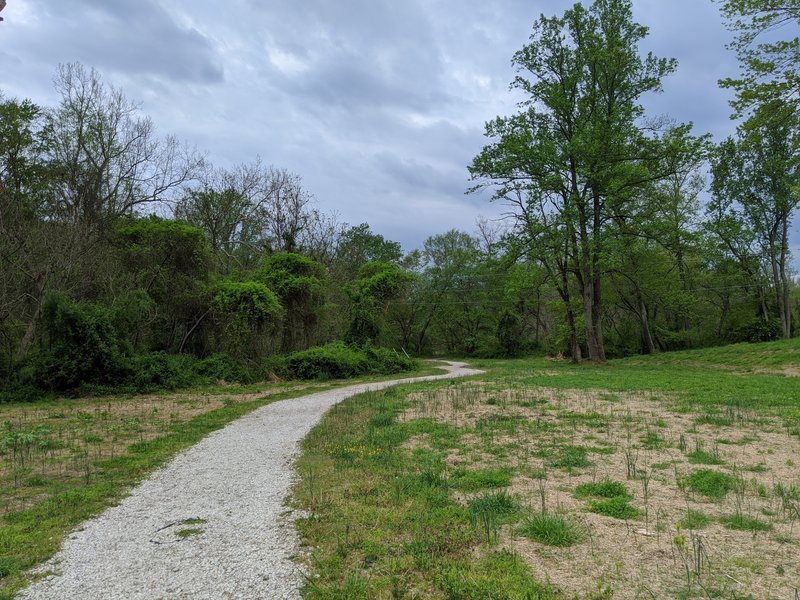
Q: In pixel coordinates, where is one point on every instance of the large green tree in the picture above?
(770, 64)
(577, 154)
(756, 192)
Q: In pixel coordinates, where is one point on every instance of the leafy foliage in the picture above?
(81, 346)
(340, 361)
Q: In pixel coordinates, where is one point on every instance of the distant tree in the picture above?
(757, 188)
(106, 161)
(358, 245)
(378, 284)
(251, 210)
(299, 283)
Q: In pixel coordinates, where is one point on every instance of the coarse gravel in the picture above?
(226, 494)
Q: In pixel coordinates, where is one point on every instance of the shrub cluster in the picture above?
(340, 361)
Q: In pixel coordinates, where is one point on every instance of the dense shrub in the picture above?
(223, 367)
(340, 361)
(159, 370)
(758, 331)
(386, 362)
(80, 345)
(510, 334)
(247, 313)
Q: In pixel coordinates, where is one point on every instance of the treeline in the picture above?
(128, 261)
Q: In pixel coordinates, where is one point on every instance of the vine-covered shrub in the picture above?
(248, 313)
(758, 331)
(340, 361)
(80, 345)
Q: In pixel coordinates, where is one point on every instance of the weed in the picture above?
(570, 457)
(701, 456)
(551, 530)
(500, 504)
(471, 481)
(188, 532)
(602, 489)
(694, 519)
(711, 484)
(653, 441)
(742, 522)
(618, 507)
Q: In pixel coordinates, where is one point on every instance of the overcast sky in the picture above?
(378, 104)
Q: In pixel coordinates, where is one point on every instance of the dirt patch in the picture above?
(559, 439)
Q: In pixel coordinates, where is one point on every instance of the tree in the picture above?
(168, 262)
(577, 153)
(106, 161)
(377, 285)
(299, 283)
(770, 67)
(247, 313)
(757, 186)
(251, 210)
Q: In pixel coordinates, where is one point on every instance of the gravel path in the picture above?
(235, 480)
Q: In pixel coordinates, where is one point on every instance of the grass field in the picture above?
(63, 461)
(672, 476)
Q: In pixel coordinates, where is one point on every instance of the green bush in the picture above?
(340, 361)
(758, 331)
(81, 345)
(223, 367)
(161, 371)
(509, 334)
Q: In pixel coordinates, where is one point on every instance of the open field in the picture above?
(63, 461)
(674, 476)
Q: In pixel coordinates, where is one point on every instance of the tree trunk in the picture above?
(594, 329)
(649, 343)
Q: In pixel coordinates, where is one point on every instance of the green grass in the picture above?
(709, 378)
(31, 536)
(188, 532)
(695, 519)
(434, 529)
(602, 489)
(742, 522)
(711, 484)
(551, 530)
(570, 457)
(704, 457)
(618, 507)
(499, 504)
(472, 481)
(392, 526)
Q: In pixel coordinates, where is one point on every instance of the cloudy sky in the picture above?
(378, 104)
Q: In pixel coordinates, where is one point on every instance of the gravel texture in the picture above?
(212, 523)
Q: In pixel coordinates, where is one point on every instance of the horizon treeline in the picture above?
(127, 258)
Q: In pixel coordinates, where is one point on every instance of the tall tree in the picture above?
(106, 159)
(757, 185)
(770, 66)
(579, 146)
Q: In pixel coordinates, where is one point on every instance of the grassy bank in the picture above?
(65, 460)
(667, 476)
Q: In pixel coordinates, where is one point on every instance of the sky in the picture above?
(379, 105)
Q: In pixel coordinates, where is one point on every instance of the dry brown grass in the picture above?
(42, 446)
(645, 442)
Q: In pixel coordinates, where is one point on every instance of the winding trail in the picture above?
(235, 481)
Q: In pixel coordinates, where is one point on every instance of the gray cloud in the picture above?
(132, 38)
(378, 104)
